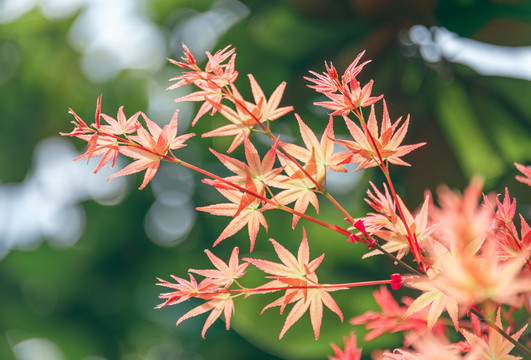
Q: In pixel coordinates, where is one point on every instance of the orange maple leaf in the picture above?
(297, 272)
(319, 152)
(259, 172)
(248, 215)
(386, 145)
(152, 146)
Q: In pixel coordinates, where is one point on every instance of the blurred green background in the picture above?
(79, 255)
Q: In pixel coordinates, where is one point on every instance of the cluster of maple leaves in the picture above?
(471, 260)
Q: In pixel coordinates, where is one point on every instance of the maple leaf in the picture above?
(473, 278)
(345, 95)
(121, 125)
(81, 128)
(153, 145)
(319, 152)
(208, 289)
(495, 346)
(225, 72)
(459, 279)
(505, 210)
(107, 146)
(246, 115)
(211, 81)
(328, 81)
(261, 173)
(240, 127)
(367, 153)
(100, 143)
(269, 109)
(216, 74)
(350, 352)
(351, 98)
(504, 230)
(390, 227)
(250, 215)
(186, 289)
(298, 272)
(225, 274)
(212, 288)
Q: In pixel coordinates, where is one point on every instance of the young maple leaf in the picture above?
(345, 95)
(208, 289)
(319, 153)
(241, 123)
(186, 289)
(261, 173)
(216, 74)
(121, 125)
(102, 141)
(504, 230)
(250, 215)
(225, 274)
(297, 272)
(152, 146)
(367, 153)
(269, 109)
(108, 146)
(495, 346)
(351, 350)
(387, 225)
(211, 81)
(351, 98)
(247, 115)
(225, 73)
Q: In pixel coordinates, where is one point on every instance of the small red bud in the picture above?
(396, 281)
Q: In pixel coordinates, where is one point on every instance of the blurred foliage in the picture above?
(96, 298)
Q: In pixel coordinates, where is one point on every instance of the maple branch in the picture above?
(342, 286)
(260, 197)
